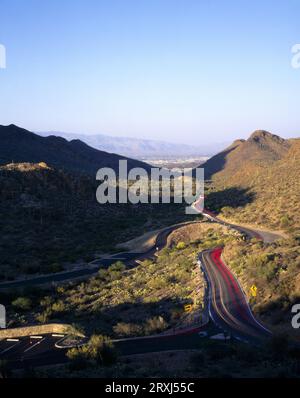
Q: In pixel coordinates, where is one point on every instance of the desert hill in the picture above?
(19, 145)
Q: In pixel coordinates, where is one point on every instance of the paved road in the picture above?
(31, 350)
(228, 305)
(129, 259)
(45, 353)
(228, 309)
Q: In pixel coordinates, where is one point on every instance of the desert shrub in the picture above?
(226, 210)
(78, 357)
(285, 221)
(117, 266)
(182, 275)
(180, 246)
(127, 329)
(22, 303)
(59, 307)
(45, 315)
(103, 274)
(115, 275)
(158, 283)
(47, 301)
(99, 349)
(155, 325)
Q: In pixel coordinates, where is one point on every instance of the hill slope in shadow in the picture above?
(261, 149)
(268, 167)
(19, 145)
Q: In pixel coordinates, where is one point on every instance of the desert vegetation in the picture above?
(257, 182)
(274, 268)
(264, 192)
(208, 359)
(121, 302)
(50, 220)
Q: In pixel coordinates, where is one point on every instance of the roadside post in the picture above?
(2, 317)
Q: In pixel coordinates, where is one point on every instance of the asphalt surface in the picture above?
(228, 309)
(32, 351)
(45, 353)
(228, 306)
(129, 259)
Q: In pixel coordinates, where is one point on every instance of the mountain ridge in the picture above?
(266, 169)
(20, 145)
(140, 148)
(262, 148)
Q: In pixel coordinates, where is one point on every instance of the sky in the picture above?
(190, 71)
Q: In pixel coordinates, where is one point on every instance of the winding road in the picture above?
(225, 299)
(228, 305)
(128, 258)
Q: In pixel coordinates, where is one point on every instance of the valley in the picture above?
(58, 226)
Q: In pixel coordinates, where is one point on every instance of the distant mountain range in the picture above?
(140, 148)
(19, 145)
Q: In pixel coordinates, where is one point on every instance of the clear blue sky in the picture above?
(188, 71)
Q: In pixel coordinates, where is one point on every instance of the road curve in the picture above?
(228, 305)
(228, 308)
(129, 259)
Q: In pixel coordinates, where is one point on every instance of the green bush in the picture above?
(127, 329)
(180, 246)
(22, 303)
(158, 283)
(99, 349)
(118, 266)
(155, 325)
(285, 221)
(103, 274)
(59, 307)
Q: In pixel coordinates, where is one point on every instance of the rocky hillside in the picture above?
(50, 218)
(257, 181)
